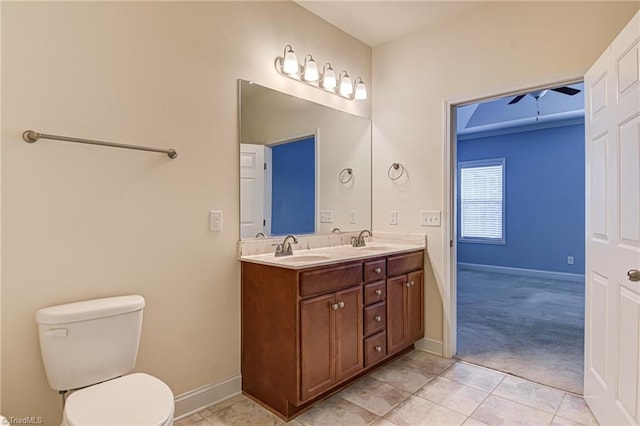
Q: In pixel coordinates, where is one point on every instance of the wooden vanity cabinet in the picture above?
(308, 332)
(405, 300)
(330, 340)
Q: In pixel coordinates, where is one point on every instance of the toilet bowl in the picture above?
(134, 400)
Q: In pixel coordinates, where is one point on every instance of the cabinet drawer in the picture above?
(375, 349)
(404, 263)
(375, 270)
(374, 318)
(325, 280)
(374, 292)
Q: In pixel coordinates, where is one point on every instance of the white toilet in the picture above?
(92, 345)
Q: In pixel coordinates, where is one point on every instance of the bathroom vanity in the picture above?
(313, 323)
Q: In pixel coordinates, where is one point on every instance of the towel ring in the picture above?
(345, 175)
(395, 166)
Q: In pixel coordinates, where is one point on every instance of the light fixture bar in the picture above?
(287, 65)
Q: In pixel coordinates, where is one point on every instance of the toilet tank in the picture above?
(88, 342)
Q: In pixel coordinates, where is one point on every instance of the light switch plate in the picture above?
(429, 218)
(352, 216)
(326, 216)
(215, 220)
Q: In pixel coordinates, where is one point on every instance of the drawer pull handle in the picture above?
(335, 306)
(378, 292)
(378, 348)
(377, 318)
(377, 270)
(341, 304)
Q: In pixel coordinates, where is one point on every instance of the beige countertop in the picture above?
(305, 258)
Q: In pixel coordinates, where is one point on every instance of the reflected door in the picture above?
(252, 188)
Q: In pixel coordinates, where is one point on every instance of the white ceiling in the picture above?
(377, 22)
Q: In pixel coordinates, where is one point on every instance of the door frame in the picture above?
(448, 287)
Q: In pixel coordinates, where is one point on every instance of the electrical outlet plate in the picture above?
(569, 260)
(393, 217)
(352, 216)
(326, 216)
(429, 218)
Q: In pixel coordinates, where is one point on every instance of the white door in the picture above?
(612, 317)
(251, 190)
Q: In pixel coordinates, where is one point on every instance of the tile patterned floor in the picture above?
(420, 389)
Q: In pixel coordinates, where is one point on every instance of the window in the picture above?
(481, 202)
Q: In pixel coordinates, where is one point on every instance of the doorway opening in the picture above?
(518, 235)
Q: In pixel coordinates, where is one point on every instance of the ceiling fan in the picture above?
(540, 93)
(565, 90)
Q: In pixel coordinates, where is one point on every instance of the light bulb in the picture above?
(328, 78)
(310, 69)
(346, 88)
(290, 65)
(361, 90)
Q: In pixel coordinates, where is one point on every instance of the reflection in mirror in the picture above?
(292, 153)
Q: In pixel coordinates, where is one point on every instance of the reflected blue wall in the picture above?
(293, 187)
(544, 199)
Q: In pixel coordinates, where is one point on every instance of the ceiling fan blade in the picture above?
(516, 99)
(566, 90)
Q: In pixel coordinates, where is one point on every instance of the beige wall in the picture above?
(83, 222)
(495, 49)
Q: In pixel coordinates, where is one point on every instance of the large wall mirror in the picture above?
(304, 168)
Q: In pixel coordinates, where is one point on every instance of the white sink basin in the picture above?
(372, 248)
(303, 258)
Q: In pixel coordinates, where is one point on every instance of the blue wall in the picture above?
(544, 199)
(293, 187)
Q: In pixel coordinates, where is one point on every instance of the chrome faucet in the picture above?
(359, 240)
(284, 248)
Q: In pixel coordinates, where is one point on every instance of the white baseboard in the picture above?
(195, 400)
(520, 271)
(430, 345)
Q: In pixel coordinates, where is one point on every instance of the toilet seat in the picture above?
(134, 399)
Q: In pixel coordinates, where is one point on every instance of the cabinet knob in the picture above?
(410, 283)
(378, 292)
(378, 348)
(341, 304)
(335, 306)
(407, 284)
(377, 318)
(377, 270)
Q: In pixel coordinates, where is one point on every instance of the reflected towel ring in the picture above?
(345, 175)
(395, 166)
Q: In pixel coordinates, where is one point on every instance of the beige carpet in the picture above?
(529, 327)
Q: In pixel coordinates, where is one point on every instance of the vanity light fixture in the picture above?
(361, 89)
(288, 66)
(290, 62)
(328, 77)
(345, 87)
(310, 69)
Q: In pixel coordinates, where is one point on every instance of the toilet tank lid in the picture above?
(89, 309)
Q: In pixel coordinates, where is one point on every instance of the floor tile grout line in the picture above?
(526, 404)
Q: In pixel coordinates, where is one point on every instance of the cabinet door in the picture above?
(396, 314)
(348, 333)
(415, 301)
(316, 345)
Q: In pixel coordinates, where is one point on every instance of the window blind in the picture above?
(481, 198)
